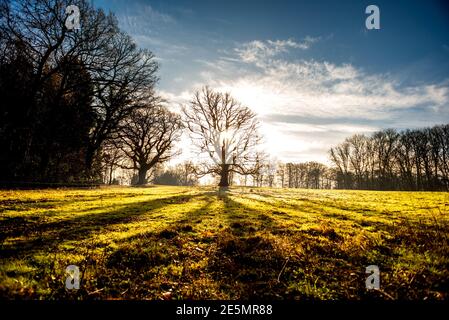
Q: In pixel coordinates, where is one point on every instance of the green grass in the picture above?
(188, 243)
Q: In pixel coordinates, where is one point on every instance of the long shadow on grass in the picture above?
(335, 264)
(255, 258)
(185, 224)
(241, 263)
(247, 262)
(140, 257)
(403, 229)
(48, 235)
(362, 217)
(324, 202)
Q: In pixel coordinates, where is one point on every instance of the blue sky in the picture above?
(310, 69)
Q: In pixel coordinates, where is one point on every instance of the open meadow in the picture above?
(188, 243)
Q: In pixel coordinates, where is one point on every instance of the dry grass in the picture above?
(187, 243)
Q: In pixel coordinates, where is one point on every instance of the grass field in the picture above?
(188, 243)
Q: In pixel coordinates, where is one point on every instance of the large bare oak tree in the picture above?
(225, 131)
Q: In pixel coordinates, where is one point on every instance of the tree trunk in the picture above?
(110, 174)
(90, 154)
(224, 176)
(142, 176)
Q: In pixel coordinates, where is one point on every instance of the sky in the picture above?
(311, 70)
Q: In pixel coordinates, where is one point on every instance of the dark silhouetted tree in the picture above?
(64, 92)
(147, 137)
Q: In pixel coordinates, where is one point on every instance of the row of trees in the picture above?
(271, 173)
(76, 100)
(390, 160)
(385, 160)
(183, 174)
(309, 175)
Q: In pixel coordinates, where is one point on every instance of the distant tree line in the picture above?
(415, 160)
(391, 160)
(306, 175)
(183, 174)
(309, 175)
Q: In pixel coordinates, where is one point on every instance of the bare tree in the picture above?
(270, 169)
(281, 172)
(358, 157)
(315, 174)
(123, 83)
(121, 75)
(340, 157)
(405, 159)
(441, 135)
(385, 143)
(183, 174)
(310, 174)
(187, 173)
(226, 132)
(147, 138)
(112, 158)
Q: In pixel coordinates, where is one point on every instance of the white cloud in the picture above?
(324, 89)
(141, 18)
(255, 51)
(176, 100)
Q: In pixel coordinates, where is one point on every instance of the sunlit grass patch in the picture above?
(188, 243)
